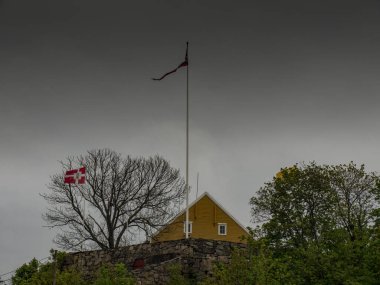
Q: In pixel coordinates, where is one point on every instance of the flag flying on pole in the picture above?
(75, 176)
(183, 64)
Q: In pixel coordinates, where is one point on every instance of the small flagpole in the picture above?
(187, 144)
(196, 196)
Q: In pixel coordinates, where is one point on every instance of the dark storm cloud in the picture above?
(272, 83)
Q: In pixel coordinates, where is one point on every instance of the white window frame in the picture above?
(225, 229)
(190, 227)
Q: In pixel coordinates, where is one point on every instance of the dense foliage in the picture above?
(114, 275)
(35, 273)
(175, 275)
(319, 225)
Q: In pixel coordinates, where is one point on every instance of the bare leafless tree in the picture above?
(121, 197)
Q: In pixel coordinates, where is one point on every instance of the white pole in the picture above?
(187, 144)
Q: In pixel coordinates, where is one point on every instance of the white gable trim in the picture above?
(224, 210)
(196, 201)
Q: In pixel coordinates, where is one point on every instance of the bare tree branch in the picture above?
(121, 197)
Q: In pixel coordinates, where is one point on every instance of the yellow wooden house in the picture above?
(207, 219)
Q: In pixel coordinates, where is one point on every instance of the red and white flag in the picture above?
(183, 64)
(75, 176)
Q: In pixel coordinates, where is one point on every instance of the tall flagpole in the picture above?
(187, 189)
(187, 143)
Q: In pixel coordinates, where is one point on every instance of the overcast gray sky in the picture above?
(272, 83)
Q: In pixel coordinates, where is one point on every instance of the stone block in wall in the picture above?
(196, 256)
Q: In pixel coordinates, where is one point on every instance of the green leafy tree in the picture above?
(25, 272)
(114, 275)
(175, 275)
(296, 206)
(35, 273)
(254, 265)
(321, 222)
(356, 198)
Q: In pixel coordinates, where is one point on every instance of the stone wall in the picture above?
(149, 261)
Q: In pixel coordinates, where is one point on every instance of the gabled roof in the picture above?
(196, 201)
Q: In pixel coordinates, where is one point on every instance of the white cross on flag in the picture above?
(75, 176)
